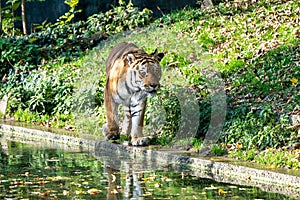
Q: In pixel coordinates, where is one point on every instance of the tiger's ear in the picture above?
(158, 56)
(130, 58)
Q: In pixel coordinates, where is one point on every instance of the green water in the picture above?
(30, 172)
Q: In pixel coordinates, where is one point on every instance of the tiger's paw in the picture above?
(112, 137)
(109, 134)
(139, 141)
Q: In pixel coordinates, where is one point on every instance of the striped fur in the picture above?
(132, 76)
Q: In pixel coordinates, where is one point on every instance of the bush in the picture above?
(38, 70)
(67, 40)
(259, 129)
(121, 18)
(41, 92)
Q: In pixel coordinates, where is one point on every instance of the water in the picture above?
(38, 172)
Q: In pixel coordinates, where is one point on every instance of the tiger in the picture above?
(132, 75)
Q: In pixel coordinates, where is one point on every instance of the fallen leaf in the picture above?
(294, 80)
(151, 178)
(222, 192)
(271, 167)
(212, 187)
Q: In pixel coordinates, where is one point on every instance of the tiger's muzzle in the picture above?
(152, 88)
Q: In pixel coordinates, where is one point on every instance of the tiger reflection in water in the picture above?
(134, 188)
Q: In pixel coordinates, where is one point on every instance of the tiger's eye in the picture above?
(143, 74)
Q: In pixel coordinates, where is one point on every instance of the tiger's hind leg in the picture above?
(137, 119)
(110, 130)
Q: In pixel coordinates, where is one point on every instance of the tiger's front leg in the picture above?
(137, 119)
(110, 129)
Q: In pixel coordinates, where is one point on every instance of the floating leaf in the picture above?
(157, 185)
(45, 194)
(147, 194)
(33, 39)
(78, 192)
(114, 191)
(85, 183)
(166, 179)
(17, 183)
(113, 178)
(93, 191)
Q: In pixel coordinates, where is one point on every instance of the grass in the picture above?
(249, 50)
(272, 158)
(257, 57)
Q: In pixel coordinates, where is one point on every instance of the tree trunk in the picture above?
(0, 18)
(24, 23)
(205, 4)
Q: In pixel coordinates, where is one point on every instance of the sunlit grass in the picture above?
(195, 40)
(253, 49)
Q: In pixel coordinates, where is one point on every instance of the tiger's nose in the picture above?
(153, 86)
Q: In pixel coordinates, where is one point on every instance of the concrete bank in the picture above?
(152, 159)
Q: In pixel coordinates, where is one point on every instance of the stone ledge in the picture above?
(151, 159)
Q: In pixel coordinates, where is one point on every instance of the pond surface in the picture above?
(36, 172)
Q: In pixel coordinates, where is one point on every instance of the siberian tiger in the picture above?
(132, 76)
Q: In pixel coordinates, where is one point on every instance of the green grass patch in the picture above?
(272, 158)
(250, 49)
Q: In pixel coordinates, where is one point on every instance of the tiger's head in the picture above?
(146, 71)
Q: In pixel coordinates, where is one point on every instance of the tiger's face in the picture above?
(147, 73)
(149, 76)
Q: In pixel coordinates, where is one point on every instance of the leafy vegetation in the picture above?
(250, 49)
(39, 71)
(272, 158)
